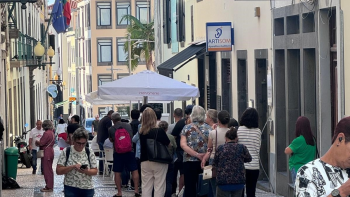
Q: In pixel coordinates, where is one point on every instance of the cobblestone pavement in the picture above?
(31, 185)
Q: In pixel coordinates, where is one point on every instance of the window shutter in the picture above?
(166, 22)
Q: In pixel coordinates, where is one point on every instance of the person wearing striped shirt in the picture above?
(250, 135)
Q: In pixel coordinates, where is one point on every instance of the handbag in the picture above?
(210, 171)
(40, 153)
(202, 186)
(157, 152)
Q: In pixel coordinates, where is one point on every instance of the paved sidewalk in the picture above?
(31, 185)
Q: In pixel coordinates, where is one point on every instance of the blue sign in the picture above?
(52, 90)
(220, 36)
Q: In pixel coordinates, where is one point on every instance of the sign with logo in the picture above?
(52, 90)
(219, 37)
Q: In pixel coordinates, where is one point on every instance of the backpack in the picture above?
(122, 141)
(87, 150)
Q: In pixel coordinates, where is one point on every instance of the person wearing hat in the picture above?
(178, 167)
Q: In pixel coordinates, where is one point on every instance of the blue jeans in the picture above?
(100, 164)
(74, 191)
(34, 160)
(293, 173)
(169, 180)
(212, 187)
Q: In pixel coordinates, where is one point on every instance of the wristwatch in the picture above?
(335, 193)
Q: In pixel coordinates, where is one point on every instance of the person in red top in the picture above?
(46, 143)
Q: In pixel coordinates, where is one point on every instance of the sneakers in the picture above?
(130, 189)
(34, 172)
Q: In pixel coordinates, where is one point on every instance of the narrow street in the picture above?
(31, 184)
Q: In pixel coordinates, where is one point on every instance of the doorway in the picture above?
(242, 88)
(333, 69)
(201, 81)
(226, 85)
(262, 108)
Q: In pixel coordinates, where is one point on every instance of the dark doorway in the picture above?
(333, 69)
(212, 81)
(261, 106)
(242, 86)
(226, 85)
(201, 81)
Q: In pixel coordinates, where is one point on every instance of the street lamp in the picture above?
(39, 51)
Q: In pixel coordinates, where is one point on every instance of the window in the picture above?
(104, 50)
(87, 7)
(143, 11)
(88, 48)
(102, 111)
(167, 22)
(102, 79)
(192, 24)
(122, 75)
(122, 55)
(181, 20)
(123, 8)
(103, 14)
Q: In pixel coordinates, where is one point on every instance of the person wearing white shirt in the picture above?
(35, 135)
(62, 134)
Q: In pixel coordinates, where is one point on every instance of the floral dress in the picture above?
(195, 140)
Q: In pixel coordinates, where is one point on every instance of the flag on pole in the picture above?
(61, 15)
(66, 12)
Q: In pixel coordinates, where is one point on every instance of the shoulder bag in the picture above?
(210, 171)
(157, 152)
(40, 153)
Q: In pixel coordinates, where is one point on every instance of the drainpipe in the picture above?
(7, 48)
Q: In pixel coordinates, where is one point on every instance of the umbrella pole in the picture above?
(145, 100)
(172, 112)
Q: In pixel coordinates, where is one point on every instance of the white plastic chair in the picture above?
(98, 158)
(108, 162)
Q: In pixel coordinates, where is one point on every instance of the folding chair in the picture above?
(98, 158)
(108, 162)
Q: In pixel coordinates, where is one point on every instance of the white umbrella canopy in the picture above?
(147, 83)
(94, 99)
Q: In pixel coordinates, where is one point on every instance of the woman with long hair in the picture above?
(153, 174)
(302, 148)
(46, 143)
(249, 135)
(216, 138)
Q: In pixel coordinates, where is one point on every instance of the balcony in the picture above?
(24, 50)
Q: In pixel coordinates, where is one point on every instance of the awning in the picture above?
(60, 104)
(168, 66)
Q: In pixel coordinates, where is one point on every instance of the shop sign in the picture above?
(220, 36)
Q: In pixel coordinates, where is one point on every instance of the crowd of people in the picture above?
(196, 140)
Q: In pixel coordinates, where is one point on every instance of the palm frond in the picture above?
(138, 30)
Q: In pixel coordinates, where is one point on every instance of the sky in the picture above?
(50, 2)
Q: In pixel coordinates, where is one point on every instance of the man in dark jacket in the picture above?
(102, 134)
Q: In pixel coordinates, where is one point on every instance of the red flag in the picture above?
(66, 12)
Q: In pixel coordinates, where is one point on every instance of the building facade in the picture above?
(108, 35)
(308, 43)
(25, 102)
(231, 80)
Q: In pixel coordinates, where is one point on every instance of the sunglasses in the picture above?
(80, 143)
